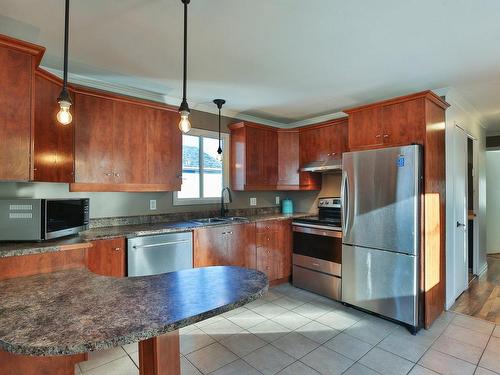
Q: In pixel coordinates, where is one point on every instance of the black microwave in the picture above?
(42, 219)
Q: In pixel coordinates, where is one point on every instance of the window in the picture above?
(203, 175)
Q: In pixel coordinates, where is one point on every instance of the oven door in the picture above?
(317, 260)
(64, 217)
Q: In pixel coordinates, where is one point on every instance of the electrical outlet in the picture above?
(152, 204)
(253, 201)
(277, 200)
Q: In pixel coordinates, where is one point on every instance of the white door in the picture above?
(460, 211)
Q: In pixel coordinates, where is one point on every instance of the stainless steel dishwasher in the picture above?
(152, 255)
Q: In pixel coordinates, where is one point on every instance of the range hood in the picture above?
(330, 165)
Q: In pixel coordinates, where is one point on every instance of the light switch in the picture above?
(253, 201)
(152, 204)
(277, 200)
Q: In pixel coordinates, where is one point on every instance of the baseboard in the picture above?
(483, 269)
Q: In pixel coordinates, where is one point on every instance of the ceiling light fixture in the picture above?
(184, 124)
(219, 103)
(64, 115)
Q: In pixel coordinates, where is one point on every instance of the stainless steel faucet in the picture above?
(223, 209)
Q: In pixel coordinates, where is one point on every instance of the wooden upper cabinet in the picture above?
(93, 121)
(165, 150)
(261, 158)
(17, 64)
(130, 127)
(365, 129)
(52, 142)
(125, 145)
(404, 123)
(395, 122)
(254, 157)
(288, 159)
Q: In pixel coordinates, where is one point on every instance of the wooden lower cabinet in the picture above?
(274, 248)
(107, 257)
(229, 245)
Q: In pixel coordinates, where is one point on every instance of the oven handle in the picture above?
(318, 232)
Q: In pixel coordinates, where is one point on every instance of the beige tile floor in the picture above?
(294, 332)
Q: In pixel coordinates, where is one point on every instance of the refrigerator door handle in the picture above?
(345, 203)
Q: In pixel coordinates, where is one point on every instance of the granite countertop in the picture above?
(76, 311)
(25, 248)
(8, 249)
(169, 227)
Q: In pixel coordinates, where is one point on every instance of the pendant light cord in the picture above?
(66, 37)
(185, 50)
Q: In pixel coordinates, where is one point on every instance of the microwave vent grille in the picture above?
(20, 207)
(20, 215)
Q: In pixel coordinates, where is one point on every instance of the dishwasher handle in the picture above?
(160, 244)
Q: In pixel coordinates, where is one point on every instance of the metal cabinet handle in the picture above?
(117, 249)
(117, 175)
(160, 244)
(459, 224)
(378, 136)
(386, 135)
(108, 174)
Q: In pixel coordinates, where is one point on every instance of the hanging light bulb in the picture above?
(219, 103)
(184, 124)
(64, 115)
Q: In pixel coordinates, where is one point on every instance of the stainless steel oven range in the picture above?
(317, 250)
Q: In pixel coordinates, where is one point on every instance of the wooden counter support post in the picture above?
(14, 364)
(160, 355)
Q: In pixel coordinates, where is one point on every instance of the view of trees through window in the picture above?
(202, 173)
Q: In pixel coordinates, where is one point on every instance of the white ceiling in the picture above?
(281, 60)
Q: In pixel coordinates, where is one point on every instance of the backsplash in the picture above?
(177, 216)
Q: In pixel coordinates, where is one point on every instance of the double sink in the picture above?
(220, 220)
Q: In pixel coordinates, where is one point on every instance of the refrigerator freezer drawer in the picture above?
(382, 282)
(317, 282)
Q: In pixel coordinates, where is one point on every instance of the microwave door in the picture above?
(64, 217)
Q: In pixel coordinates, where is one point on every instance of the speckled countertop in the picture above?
(25, 248)
(76, 311)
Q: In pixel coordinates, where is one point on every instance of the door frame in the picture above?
(475, 267)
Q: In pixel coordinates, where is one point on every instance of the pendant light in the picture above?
(64, 115)
(219, 103)
(184, 124)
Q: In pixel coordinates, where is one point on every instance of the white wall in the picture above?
(493, 198)
(463, 114)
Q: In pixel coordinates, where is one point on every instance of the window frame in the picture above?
(225, 168)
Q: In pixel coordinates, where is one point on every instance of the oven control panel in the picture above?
(329, 202)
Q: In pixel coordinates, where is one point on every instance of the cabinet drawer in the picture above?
(265, 262)
(267, 226)
(265, 239)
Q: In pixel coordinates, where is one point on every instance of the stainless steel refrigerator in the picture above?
(381, 226)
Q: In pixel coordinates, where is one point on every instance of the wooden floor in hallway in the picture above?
(482, 299)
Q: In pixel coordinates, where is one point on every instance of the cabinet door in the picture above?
(404, 123)
(15, 114)
(283, 251)
(365, 129)
(210, 247)
(288, 158)
(241, 245)
(107, 257)
(53, 142)
(130, 126)
(164, 150)
(93, 139)
(261, 158)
